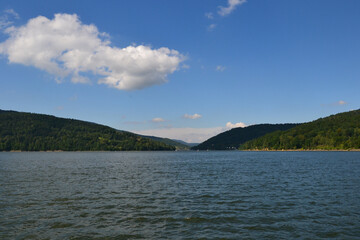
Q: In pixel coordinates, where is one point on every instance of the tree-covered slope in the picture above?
(336, 132)
(233, 138)
(174, 143)
(38, 132)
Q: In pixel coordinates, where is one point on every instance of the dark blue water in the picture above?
(180, 195)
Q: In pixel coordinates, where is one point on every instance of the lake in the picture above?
(180, 195)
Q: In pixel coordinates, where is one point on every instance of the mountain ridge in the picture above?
(20, 131)
(335, 132)
(231, 139)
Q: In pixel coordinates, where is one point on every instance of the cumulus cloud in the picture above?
(220, 68)
(157, 120)
(65, 47)
(341, 102)
(232, 4)
(235, 125)
(194, 116)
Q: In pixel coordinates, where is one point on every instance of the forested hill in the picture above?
(336, 132)
(38, 132)
(176, 144)
(233, 138)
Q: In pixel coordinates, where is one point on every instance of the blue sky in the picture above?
(180, 69)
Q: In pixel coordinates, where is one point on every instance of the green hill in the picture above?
(233, 138)
(38, 132)
(178, 145)
(336, 132)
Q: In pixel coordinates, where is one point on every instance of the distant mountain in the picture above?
(186, 143)
(39, 132)
(179, 145)
(336, 132)
(233, 138)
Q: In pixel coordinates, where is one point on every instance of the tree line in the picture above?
(39, 132)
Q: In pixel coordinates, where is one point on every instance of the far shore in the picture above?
(249, 150)
(302, 150)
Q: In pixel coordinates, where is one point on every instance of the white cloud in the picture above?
(6, 18)
(209, 15)
(194, 116)
(65, 47)
(220, 68)
(235, 125)
(232, 4)
(335, 104)
(211, 27)
(12, 13)
(157, 120)
(4, 22)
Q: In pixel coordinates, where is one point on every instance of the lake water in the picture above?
(180, 195)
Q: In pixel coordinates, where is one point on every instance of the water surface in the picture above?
(180, 195)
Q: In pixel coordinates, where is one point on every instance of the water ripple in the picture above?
(163, 195)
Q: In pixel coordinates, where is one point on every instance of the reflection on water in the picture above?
(154, 195)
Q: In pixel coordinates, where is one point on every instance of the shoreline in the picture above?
(301, 150)
(248, 150)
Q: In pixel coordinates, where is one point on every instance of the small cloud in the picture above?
(334, 104)
(5, 19)
(194, 116)
(157, 120)
(232, 4)
(209, 15)
(13, 13)
(235, 125)
(59, 108)
(220, 68)
(4, 23)
(80, 79)
(211, 27)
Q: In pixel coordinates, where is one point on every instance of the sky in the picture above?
(185, 69)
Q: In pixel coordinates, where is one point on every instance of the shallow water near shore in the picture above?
(180, 195)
